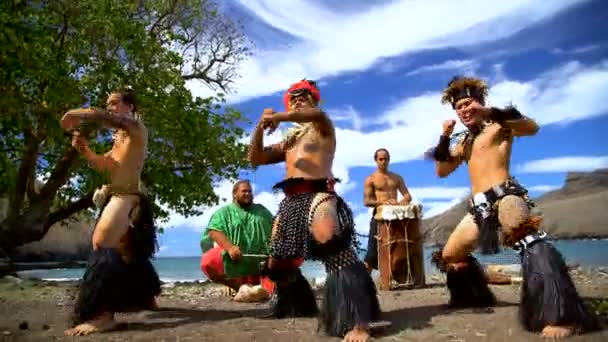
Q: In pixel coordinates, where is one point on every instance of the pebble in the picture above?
(6, 333)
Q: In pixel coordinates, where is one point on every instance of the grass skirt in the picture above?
(548, 295)
(111, 285)
(349, 300)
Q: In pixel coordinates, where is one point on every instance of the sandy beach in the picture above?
(38, 311)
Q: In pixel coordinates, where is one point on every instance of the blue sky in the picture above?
(381, 66)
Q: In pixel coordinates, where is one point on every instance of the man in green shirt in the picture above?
(236, 240)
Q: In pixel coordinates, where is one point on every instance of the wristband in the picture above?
(442, 150)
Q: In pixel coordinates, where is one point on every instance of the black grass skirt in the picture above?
(349, 300)
(548, 295)
(112, 285)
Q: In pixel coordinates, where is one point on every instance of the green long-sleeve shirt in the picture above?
(248, 228)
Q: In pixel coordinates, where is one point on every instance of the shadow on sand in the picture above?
(419, 317)
(175, 317)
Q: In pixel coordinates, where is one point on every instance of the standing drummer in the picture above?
(381, 189)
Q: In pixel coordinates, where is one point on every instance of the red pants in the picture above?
(212, 266)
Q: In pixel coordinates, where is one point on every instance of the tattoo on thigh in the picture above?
(326, 209)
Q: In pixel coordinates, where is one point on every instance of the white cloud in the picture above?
(577, 50)
(563, 164)
(463, 66)
(543, 188)
(362, 221)
(561, 95)
(338, 42)
(564, 94)
(346, 114)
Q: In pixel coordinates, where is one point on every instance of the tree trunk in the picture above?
(17, 230)
(35, 222)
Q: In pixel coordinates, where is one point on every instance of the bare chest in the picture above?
(309, 142)
(491, 140)
(385, 183)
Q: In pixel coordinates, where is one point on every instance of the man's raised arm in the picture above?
(512, 119)
(446, 160)
(444, 167)
(258, 154)
(76, 117)
(314, 115)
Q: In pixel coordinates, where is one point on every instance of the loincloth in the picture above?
(140, 240)
(293, 237)
(485, 212)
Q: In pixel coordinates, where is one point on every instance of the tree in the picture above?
(63, 54)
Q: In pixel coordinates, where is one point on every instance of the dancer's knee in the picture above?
(462, 241)
(455, 253)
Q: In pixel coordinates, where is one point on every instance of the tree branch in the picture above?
(26, 170)
(65, 212)
(60, 173)
(162, 17)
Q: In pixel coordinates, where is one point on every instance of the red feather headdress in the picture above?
(304, 87)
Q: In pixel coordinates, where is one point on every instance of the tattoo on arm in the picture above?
(104, 118)
(273, 154)
(122, 121)
(261, 155)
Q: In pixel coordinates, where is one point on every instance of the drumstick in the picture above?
(256, 255)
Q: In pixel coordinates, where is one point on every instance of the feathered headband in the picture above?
(461, 87)
(304, 87)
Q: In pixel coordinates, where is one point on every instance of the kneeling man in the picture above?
(236, 240)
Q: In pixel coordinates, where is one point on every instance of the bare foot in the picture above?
(552, 331)
(105, 322)
(358, 334)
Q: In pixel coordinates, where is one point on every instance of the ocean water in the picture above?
(172, 269)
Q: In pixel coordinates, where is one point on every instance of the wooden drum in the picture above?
(400, 254)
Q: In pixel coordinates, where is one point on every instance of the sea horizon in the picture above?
(171, 269)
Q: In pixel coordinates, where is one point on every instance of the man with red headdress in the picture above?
(500, 206)
(313, 221)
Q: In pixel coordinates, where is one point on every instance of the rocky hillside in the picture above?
(62, 243)
(578, 210)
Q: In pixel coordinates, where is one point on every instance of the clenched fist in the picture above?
(448, 127)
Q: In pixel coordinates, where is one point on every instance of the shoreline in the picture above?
(425, 245)
(71, 271)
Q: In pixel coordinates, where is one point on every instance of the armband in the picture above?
(509, 113)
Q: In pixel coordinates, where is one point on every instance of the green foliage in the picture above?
(63, 54)
(600, 306)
